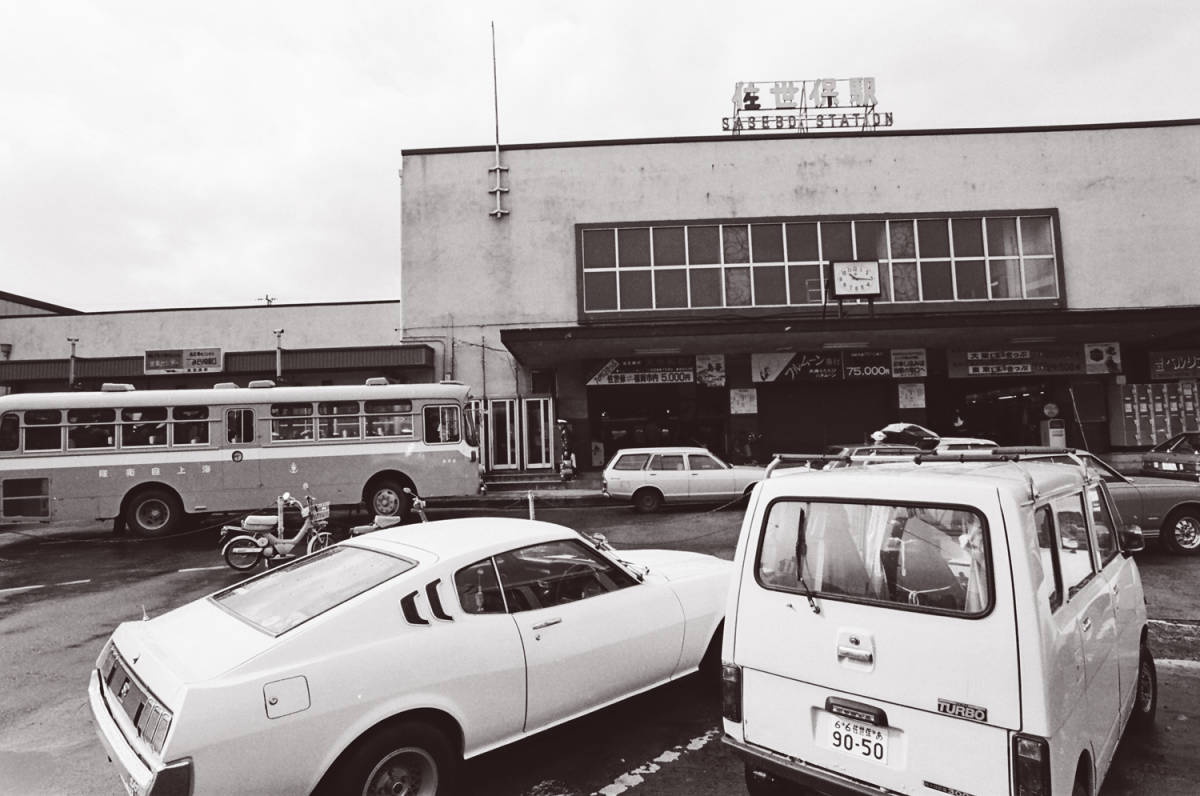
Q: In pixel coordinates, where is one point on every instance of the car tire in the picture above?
(647, 500)
(153, 512)
(1181, 532)
(387, 498)
(759, 783)
(1145, 701)
(408, 757)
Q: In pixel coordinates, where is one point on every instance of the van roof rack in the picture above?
(1003, 453)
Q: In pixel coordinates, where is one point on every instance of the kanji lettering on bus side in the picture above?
(130, 472)
(155, 471)
(103, 474)
(206, 469)
(181, 470)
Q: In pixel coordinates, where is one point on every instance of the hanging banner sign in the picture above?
(183, 360)
(645, 370)
(1175, 364)
(866, 365)
(909, 363)
(1042, 361)
(796, 366)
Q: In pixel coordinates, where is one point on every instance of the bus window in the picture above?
(338, 419)
(239, 426)
(10, 432)
(441, 424)
(191, 425)
(91, 428)
(145, 425)
(49, 436)
(297, 422)
(389, 418)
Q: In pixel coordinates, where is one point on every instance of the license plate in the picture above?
(863, 741)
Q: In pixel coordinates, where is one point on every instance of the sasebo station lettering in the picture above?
(820, 120)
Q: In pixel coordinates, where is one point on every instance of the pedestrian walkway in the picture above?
(583, 490)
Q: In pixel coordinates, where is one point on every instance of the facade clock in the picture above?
(855, 279)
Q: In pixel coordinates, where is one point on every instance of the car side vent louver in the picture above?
(408, 604)
(435, 602)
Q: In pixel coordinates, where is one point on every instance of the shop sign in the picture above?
(183, 360)
(743, 401)
(710, 370)
(645, 370)
(1175, 364)
(866, 365)
(1042, 361)
(802, 105)
(796, 366)
(1102, 357)
(911, 394)
(909, 363)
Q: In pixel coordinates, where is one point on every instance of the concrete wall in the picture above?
(1128, 199)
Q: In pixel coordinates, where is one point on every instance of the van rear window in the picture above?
(916, 557)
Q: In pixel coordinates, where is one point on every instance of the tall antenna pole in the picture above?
(497, 189)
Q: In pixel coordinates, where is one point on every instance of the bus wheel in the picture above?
(387, 498)
(153, 512)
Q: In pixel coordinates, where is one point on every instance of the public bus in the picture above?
(147, 458)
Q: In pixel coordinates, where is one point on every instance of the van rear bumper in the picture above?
(797, 771)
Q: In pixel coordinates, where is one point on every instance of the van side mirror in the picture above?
(1132, 539)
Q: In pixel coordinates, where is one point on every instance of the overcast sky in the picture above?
(177, 154)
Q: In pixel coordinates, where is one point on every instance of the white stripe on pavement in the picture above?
(200, 569)
(1178, 664)
(634, 778)
(73, 582)
(21, 588)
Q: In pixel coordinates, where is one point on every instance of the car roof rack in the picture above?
(1000, 453)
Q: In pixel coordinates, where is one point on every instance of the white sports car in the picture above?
(379, 664)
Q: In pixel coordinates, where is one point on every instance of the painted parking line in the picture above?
(636, 777)
(201, 569)
(21, 588)
(72, 582)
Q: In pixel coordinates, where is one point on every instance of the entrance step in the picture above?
(522, 481)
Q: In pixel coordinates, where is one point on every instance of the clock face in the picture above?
(856, 278)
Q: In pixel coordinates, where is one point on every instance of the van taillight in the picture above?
(1031, 766)
(731, 692)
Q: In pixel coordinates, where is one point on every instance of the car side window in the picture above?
(1103, 526)
(669, 462)
(1074, 544)
(702, 461)
(631, 461)
(555, 573)
(1043, 520)
(479, 589)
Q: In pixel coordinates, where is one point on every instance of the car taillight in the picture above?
(731, 692)
(1031, 766)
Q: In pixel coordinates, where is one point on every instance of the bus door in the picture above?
(241, 471)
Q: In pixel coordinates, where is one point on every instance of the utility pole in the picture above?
(278, 352)
(71, 366)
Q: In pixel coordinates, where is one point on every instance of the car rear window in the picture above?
(918, 557)
(292, 594)
(631, 461)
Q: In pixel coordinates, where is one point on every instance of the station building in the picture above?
(773, 292)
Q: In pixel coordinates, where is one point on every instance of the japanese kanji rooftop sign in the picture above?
(800, 106)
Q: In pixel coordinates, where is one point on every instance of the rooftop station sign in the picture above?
(801, 106)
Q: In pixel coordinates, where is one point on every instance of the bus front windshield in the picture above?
(471, 426)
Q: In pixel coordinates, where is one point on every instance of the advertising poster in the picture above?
(645, 370)
(909, 363)
(743, 401)
(911, 394)
(1102, 358)
(796, 366)
(710, 370)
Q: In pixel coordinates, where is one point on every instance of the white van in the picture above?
(969, 628)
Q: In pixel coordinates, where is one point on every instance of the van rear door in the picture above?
(877, 640)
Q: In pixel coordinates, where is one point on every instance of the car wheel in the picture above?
(647, 500)
(1181, 532)
(408, 759)
(760, 783)
(1145, 703)
(153, 512)
(387, 498)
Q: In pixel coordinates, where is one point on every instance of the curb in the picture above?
(517, 498)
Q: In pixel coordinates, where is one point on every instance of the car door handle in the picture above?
(854, 654)
(1086, 623)
(547, 623)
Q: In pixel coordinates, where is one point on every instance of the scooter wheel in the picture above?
(242, 552)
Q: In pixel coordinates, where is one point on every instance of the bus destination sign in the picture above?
(184, 360)
(800, 106)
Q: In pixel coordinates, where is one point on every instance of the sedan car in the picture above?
(862, 453)
(1166, 508)
(1178, 457)
(379, 664)
(650, 477)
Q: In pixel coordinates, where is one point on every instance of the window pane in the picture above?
(737, 287)
(635, 290)
(835, 240)
(704, 245)
(191, 425)
(904, 279)
(554, 573)
(339, 420)
(668, 246)
(805, 283)
(633, 247)
(145, 425)
(1103, 525)
(95, 428)
(10, 433)
(700, 461)
(767, 243)
(631, 461)
(1035, 235)
(902, 238)
(869, 235)
(933, 238)
(1006, 278)
(972, 279)
(599, 291)
(802, 242)
(1044, 522)
(478, 589)
(441, 424)
(598, 248)
(666, 462)
(769, 285)
(935, 282)
(968, 237)
(1002, 237)
(1073, 543)
(706, 287)
(736, 243)
(670, 288)
(239, 424)
(1039, 279)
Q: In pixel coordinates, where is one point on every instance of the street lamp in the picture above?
(71, 366)
(278, 352)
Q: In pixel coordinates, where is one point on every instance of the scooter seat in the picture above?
(260, 522)
(382, 521)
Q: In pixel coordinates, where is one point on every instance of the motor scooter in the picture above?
(382, 521)
(263, 537)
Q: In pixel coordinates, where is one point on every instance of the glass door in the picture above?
(538, 419)
(504, 437)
